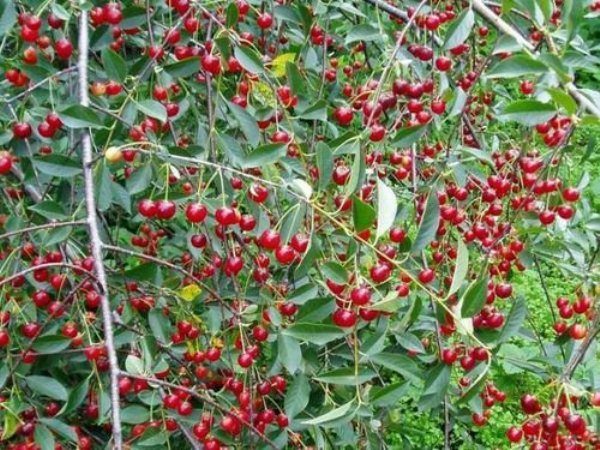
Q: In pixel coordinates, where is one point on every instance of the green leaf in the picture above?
(152, 108)
(387, 206)
(140, 179)
(516, 66)
(114, 65)
(289, 353)
(335, 272)
(57, 166)
(78, 116)
(324, 164)
(8, 16)
(184, 68)
(159, 325)
(249, 60)
(363, 215)
(389, 395)
(474, 297)
(49, 209)
(134, 365)
(315, 333)
(153, 437)
(76, 397)
(133, 16)
(292, 221)
(316, 111)
(564, 100)
(397, 362)
(461, 269)
(135, 414)
(459, 29)
(232, 15)
(429, 224)
(51, 344)
(409, 135)
(263, 155)
(357, 173)
(436, 385)
(346, 376)
(390, 303)
(295, 78)
(246, 122)
(297, 396)
(362, 32)
(333, 415)
(47, 386)
(64, 430)
(514, 320)
(43, 437)
(102, 185)
(529, 112)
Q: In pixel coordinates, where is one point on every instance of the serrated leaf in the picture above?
(363, 214)
(436, 385)
(315, 333)
(316, 111)
(76, 397)
(529, 112)
(409, 135)
(57, 166)
(459, 29)
(514, 320)
(139, 179)
(292, 221)
(334, 414)
(362, 32)
(402, 364)
(8, 16)
(51, 344)
(335, 272)
(389, 395)
(263, 155)
(564, 100)
(517, 66)
(184, 68)
(47, 387)
(114, 65)
(289, 353)
(152, 108)
(43, 437)
(461, 269)
(346, 376)
(324, 164)
(134, 365)
(134, 414)
(387, 206)
(49, 209)
(474, 297)
(297, 396)
(249, 60)
(78, 116)
(246, 122)
(429, 224)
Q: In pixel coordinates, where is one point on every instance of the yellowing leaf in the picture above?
(278, 64)
(189, 292)
(263, 93)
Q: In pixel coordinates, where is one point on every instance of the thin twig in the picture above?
(33, 87)
(50, 225)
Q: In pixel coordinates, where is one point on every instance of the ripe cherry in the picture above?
(63, 48)
(196, 212)
(211, 64)
(165, 209)
(344, 318)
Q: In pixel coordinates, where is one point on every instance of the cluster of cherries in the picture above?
(570, 312)
(556, 425)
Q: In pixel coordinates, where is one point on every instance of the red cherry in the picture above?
(426, 276)
(285, 254)
(570, 194)
(514, 434)
(165, 209)
(443, 64)
(269, 239)
(449, 356)
(380, 272)
(5, 164)
(360, 296)
(63, 48)
(21, 130)
(211, 64)
(195, 212)
(546, 217)
(264, 20)
(147, 208)
(530, 404)
(344, 318)
(343, 115)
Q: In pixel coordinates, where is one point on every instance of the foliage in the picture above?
(299, 224)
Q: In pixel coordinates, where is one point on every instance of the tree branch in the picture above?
(95, 240)
(50, 225)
